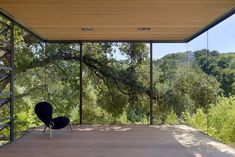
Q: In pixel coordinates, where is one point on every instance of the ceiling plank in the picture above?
(116, 19)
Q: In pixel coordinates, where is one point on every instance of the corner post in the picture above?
(81, 84)
(151, 84)
(12, 50)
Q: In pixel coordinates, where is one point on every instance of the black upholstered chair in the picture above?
(44, 112)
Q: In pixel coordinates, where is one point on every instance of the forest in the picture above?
(196, 88)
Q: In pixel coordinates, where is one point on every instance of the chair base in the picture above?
(50, 130)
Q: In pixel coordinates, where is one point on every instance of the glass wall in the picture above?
(116, 76)
(45, 72)
(170, 65)
(61, 79)
(221, 72)
(198, 80)
(221, 53)
(194, 83)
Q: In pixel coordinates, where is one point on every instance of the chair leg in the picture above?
(45, 128)
(71, 127)
(50, 132)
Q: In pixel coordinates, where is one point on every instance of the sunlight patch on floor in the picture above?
(192, 138)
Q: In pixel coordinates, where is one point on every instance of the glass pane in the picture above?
(115, 83)
(221, 68)
(212, 89)
(198, 82)
(170, 66)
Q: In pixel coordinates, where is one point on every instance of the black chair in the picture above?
(44, 112)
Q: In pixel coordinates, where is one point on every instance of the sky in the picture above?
(221, 38)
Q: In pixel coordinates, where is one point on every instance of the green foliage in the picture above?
(197, 120)
(221, 66)
(172, 118)
(221, 119)
(24, 121)
(181, 86)
(74, 115)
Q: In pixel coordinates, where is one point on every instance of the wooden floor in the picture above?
(118, 141)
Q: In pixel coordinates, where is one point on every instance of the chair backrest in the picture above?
(44, 112)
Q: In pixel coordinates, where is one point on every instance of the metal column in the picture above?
(81, 85)
(151, 85)
(12, 45)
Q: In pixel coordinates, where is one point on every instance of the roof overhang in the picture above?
(118, 20)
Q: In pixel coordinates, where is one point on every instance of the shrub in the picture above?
(221, 119)
(172, 118)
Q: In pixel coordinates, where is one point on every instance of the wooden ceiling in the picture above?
(116, 19)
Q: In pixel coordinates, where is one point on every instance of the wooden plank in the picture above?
(49, 18)
(110, 37)
(118, 141)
